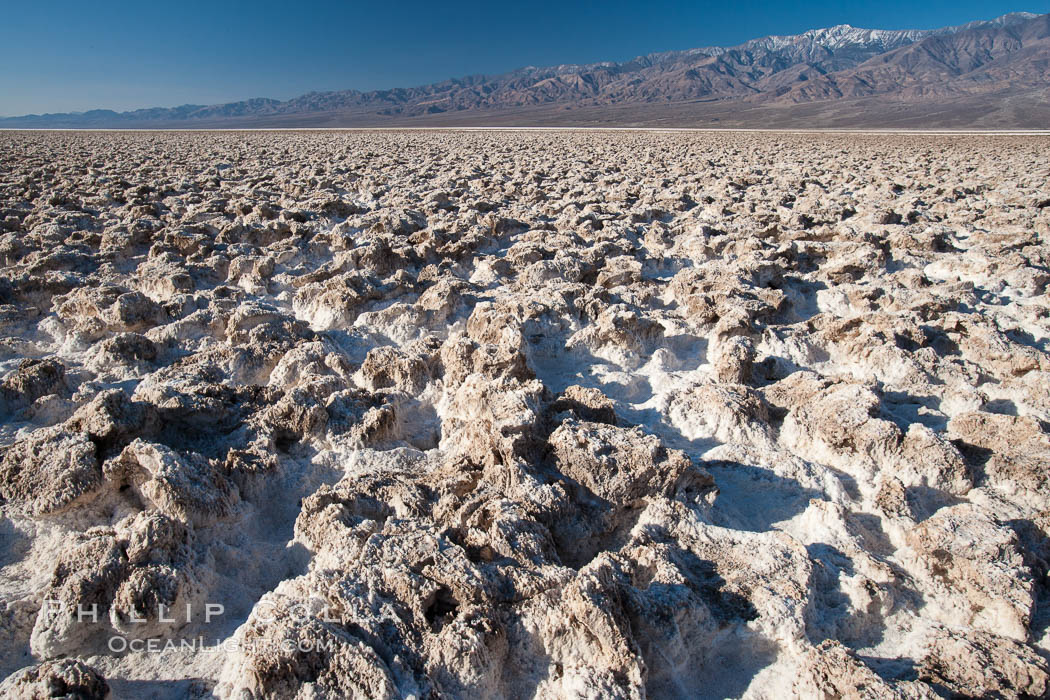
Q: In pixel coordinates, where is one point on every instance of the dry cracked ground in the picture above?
(524, 414)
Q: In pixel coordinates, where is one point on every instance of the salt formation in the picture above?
(524, 414)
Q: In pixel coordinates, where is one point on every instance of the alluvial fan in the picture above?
(524, 414)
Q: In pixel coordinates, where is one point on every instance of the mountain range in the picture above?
(985, 74)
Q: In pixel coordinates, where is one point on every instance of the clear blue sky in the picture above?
(61, 55)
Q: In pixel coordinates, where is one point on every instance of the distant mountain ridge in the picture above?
(993, 70)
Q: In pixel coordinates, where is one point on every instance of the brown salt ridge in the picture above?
(524, 414)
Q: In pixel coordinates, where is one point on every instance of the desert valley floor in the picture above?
(524, 414)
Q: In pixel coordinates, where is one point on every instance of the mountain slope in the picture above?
(985, 59)
(983, 62)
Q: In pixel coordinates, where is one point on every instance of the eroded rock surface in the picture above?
(524, 414)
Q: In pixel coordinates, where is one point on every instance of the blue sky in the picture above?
(72, 56)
